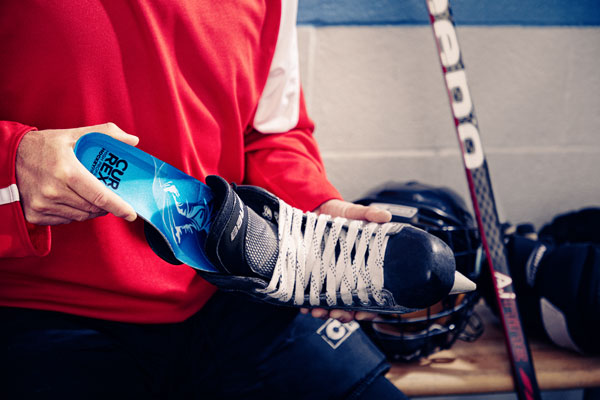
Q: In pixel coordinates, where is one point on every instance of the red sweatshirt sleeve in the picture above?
(289, 164)
(18, 238)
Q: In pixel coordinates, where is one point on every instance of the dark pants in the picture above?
(232, 348)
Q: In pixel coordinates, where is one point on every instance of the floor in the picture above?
(576, 394)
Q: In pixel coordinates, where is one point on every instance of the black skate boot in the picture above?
(264, 247)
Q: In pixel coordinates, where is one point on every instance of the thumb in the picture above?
(367, 213)
(379, 215)
(341, 208)
(111, 130)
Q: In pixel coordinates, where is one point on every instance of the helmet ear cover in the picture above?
(442, 213)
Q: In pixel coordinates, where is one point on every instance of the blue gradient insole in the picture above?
(176, 204)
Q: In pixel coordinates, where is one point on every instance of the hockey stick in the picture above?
(482, 196)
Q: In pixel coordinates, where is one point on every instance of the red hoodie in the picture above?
(187, 78)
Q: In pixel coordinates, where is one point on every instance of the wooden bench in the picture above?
(483, 366)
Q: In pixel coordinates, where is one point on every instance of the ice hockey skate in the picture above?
(243, 238)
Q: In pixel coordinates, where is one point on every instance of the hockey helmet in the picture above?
(441, 212)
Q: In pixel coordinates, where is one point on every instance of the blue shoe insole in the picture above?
(174, 203)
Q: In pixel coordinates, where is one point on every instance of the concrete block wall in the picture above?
(376, 93)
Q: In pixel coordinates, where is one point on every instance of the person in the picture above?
(87, 309)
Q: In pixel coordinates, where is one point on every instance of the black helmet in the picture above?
(443, 213)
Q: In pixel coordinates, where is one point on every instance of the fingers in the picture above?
(365, 316)
(81, 204)
(379, 215)
(44, 208)
(52, 206)
(109, 129)
(340, 208)
(91, 189)
(367, 213)
(48, 220)
(347, 316)
(316, 312)
(55, 188)
(319, 313)
(80, 210)
(98, 195)
(340, 315)
(62, 215)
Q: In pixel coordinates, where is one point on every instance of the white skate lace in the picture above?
(311, 258)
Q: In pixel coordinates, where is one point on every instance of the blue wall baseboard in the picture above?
(466, 12)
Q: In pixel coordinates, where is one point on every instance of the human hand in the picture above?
(345, 209)
(55, 188)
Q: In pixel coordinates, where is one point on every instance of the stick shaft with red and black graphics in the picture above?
(482, 196)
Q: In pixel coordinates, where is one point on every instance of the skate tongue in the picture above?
(240, 242)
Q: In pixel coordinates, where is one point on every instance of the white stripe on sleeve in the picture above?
(279, 105)
(9, 194)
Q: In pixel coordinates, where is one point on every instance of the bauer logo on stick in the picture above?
(456, 80)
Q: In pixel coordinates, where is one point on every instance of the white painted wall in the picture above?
(377, 96)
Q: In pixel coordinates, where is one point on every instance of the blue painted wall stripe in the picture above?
(466, 12)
